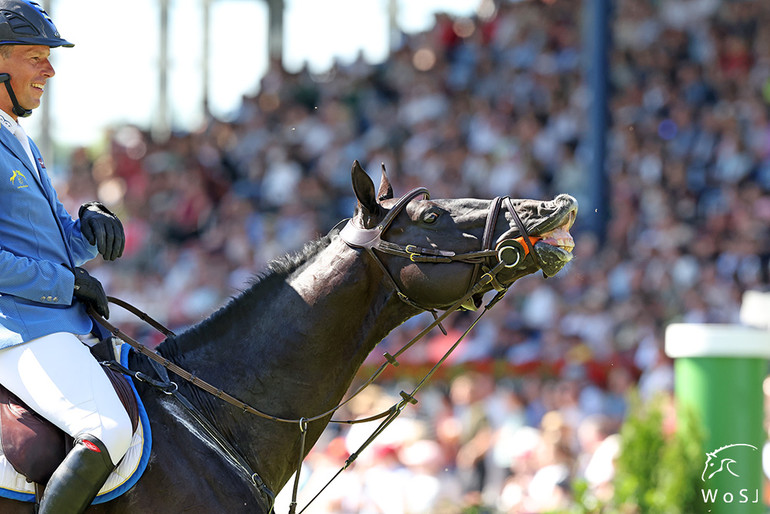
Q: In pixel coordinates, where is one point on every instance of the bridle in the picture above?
(510, 251)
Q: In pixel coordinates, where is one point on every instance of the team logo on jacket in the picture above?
(19, 180)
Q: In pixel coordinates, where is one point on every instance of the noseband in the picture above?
(511, 252)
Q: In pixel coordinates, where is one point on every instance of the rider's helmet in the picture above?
(24, 22)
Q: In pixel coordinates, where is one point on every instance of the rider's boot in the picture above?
(77, 480)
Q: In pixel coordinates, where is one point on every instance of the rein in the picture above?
(509, 253)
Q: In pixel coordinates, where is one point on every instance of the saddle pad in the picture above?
(15, 486)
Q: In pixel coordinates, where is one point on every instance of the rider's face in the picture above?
(29, 68)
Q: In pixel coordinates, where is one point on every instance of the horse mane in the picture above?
(263, 286)
(286, 265)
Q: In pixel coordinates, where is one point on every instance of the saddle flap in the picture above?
(126, 394)
(33, 445)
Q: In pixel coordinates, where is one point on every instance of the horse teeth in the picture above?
(560, 237)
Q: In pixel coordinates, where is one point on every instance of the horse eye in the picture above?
(431, 217)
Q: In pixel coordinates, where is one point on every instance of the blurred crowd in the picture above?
(478, 107)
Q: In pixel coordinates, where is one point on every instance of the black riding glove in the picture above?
(90, 291)
(103, 229)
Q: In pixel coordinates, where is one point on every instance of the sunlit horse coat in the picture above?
(37, 236)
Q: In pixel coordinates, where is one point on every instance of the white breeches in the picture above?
(58, 378)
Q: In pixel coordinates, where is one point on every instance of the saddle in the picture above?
(33, 445)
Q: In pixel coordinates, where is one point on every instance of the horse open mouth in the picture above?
(555, 246)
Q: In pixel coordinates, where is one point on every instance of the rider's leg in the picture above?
(57, 377)
(77, 480)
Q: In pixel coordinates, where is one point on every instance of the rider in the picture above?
(43, 291)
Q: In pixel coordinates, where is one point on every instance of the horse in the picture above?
(292, 342)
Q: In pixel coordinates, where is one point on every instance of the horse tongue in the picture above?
(559, 236)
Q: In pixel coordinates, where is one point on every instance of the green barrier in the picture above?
(719, 370)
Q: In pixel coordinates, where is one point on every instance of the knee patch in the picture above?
(117, 438)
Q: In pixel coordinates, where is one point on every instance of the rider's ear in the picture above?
(386, 190)
(364, 190)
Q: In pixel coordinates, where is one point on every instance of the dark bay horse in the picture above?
(291, 344)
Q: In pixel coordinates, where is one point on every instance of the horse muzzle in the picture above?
(551, 240)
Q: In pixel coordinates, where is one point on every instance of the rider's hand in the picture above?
(103, 229)
(90, 291)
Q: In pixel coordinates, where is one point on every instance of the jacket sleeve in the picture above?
(82, 251)
(37, 281)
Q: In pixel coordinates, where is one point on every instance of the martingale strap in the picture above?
(160, 365)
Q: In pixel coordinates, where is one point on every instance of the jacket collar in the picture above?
(8, 139)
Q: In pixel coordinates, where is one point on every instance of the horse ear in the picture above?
(386, 190)
(363, 187)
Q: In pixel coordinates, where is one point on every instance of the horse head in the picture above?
(711, 465)
(434, 250)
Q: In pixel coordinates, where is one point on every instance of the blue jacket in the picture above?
(37, 236)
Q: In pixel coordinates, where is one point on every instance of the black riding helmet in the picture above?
(23, 22)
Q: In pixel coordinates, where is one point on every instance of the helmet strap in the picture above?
(18, 110)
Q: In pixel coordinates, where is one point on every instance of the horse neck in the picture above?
(290, 347)
(340, 308)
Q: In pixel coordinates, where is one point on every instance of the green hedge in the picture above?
(659, 466)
